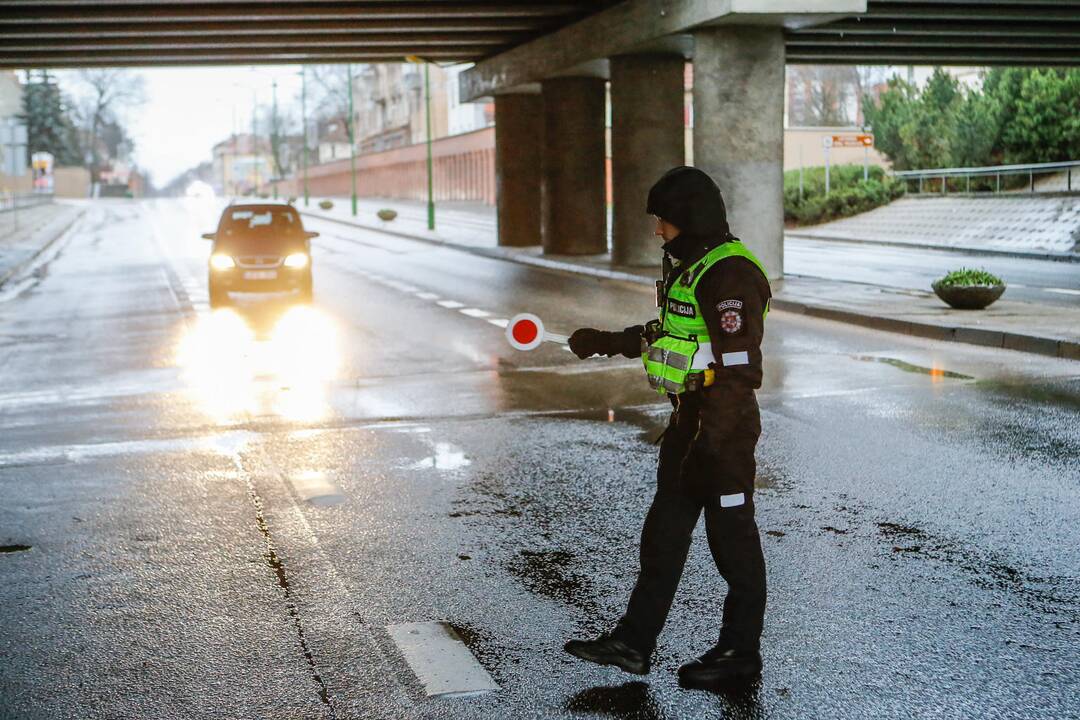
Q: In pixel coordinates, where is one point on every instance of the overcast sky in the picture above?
(188, 110)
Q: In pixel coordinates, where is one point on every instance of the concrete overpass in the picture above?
(546, 63)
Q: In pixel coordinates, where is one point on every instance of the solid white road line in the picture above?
(1062, 291)
(440, 660)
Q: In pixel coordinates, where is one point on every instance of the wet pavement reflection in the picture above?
(164, 466)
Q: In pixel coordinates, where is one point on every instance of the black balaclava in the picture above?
(689, 199)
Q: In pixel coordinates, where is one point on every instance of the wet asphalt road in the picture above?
(1047, 282)
(224, 512)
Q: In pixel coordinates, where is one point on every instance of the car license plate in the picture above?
(260, 274)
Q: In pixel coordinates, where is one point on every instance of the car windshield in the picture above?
(258, 223)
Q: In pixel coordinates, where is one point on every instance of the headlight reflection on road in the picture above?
(233, 372)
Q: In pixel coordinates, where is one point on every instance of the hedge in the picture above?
(848, 193)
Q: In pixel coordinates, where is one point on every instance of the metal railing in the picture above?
(11, 202)
(942, 176)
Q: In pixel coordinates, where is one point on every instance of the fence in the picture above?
(12, 202)
(989, 178)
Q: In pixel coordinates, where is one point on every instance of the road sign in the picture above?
(525, 331)
(853, 140)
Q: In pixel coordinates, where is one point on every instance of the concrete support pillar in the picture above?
(518, 127)
(739, 131)
(647, 140)
(574, 199)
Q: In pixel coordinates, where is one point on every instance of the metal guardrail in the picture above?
(10, 202)
(943, 175)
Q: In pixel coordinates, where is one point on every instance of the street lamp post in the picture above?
(352, 142)
(274, 130)
(304, 127)
(430, 184)
(254, 143)
(427, 122)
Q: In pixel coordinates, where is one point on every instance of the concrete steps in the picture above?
(1018, 223)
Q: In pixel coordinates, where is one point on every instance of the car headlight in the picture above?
(221, 262)
(296, 260)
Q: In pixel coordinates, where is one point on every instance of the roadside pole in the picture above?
(827, 142)
(273, 132)
(430, 182)
(254, 143)
(304, 127)
(352, 142)
(416, 59)
(800, 174)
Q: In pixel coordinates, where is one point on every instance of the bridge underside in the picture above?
(70, 33)
(948, 32)
(67, 33)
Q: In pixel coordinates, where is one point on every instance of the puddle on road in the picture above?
(1054, 595)
(934, 372)
(14, 548)
(549, 573)
(629, 700)
(313, 487)
(445, 456)
(651, 420)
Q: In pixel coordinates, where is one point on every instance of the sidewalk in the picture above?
(24, 238)
(1027, 327)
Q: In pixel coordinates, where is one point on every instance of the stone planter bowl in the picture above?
(968, 297)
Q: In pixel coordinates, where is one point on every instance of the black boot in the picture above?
(606, 650)
(721, 668)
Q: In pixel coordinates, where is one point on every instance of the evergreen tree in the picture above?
(1045, 126)
(1019, 115)
(48, 123)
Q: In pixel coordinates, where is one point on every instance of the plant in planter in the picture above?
(969, 289)
(326, 204)
(386, 214)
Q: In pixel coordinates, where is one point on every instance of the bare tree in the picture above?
(822, 94)
(332, 93)
(103, 97)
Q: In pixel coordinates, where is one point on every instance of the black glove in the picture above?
(587, 341)
(630, 341)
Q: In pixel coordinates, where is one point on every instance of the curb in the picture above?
(988, 252)
(11, 272)
(1038, 345)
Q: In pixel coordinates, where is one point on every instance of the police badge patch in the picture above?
(731, 321)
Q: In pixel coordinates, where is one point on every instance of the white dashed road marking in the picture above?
(440, 660)
(450, 304)
(1062, 291)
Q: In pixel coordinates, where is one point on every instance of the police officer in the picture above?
(704, 353)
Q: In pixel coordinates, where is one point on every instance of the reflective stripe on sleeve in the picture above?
(735, 358)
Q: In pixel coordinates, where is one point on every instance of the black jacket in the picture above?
(733, 293)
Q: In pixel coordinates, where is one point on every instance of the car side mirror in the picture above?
(311, 235)
(209, 236)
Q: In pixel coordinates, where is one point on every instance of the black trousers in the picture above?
(689, 481)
